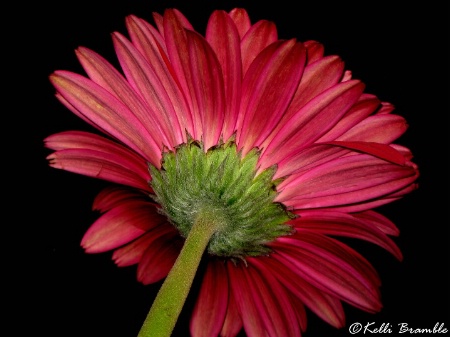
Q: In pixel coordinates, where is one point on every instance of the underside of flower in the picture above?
(221, 188)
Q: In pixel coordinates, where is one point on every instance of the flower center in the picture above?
(221, 188)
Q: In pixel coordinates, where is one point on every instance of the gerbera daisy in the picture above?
(253, 152)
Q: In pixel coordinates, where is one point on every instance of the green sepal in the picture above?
(224, 187)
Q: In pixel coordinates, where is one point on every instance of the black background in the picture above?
(400, 52)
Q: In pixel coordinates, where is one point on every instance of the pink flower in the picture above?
(319, 150)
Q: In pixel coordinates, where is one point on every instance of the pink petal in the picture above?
(178, 52)
(370, 204)
(159, 258)
(346, 180)
(325, 306)
(248, 310)
(241, 20)
(105, 110)
(380, 128)
(208, 87)
(341, 224)
(267, 90)
(279, 315)
(366, 105)
(378, 220)
(98, 157)
(133, 252)
(325, 264)
(147, 40)
(221, 27)
(232, 324)
(258, 37)
(317, 77)
(381, 151)
(315, 50)
(119, 226)
(112, 196)
(211, 306)
(158, 110)
(312, 121)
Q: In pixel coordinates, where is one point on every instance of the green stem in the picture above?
(170, 299)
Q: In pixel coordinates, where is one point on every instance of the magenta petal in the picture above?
(380, 128)
(322, 304)
(346, 180)
(381, 151)
(258, 37)
(228, 52)
(95, 156)
(178, 53)
(158, 110)
(312, 121)
(242, 290)
(241, 20)
(133, 252)
(113, 196)
(232, 324)
(267, 89)
(208, 88)
(378, 220)
(315, 50)
(325, 264)
(341, 224)
(211, 306)
(159, 258)
(120, 225)
(104, 110)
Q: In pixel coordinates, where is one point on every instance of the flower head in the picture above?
(269, 144)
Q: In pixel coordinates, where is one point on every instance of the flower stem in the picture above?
(170, 299)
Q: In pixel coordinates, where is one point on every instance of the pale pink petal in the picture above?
(312, 121)
(211, 305)
(208, 88)
(106, 111)
(346, 180)
(324, 263)
(146, 81)
(241, 20)
(159, 258)
(228, 52)
(133, 252)
(258, 37)
(267, 89)
(325, 306)
(120, 225)
(341, 224)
